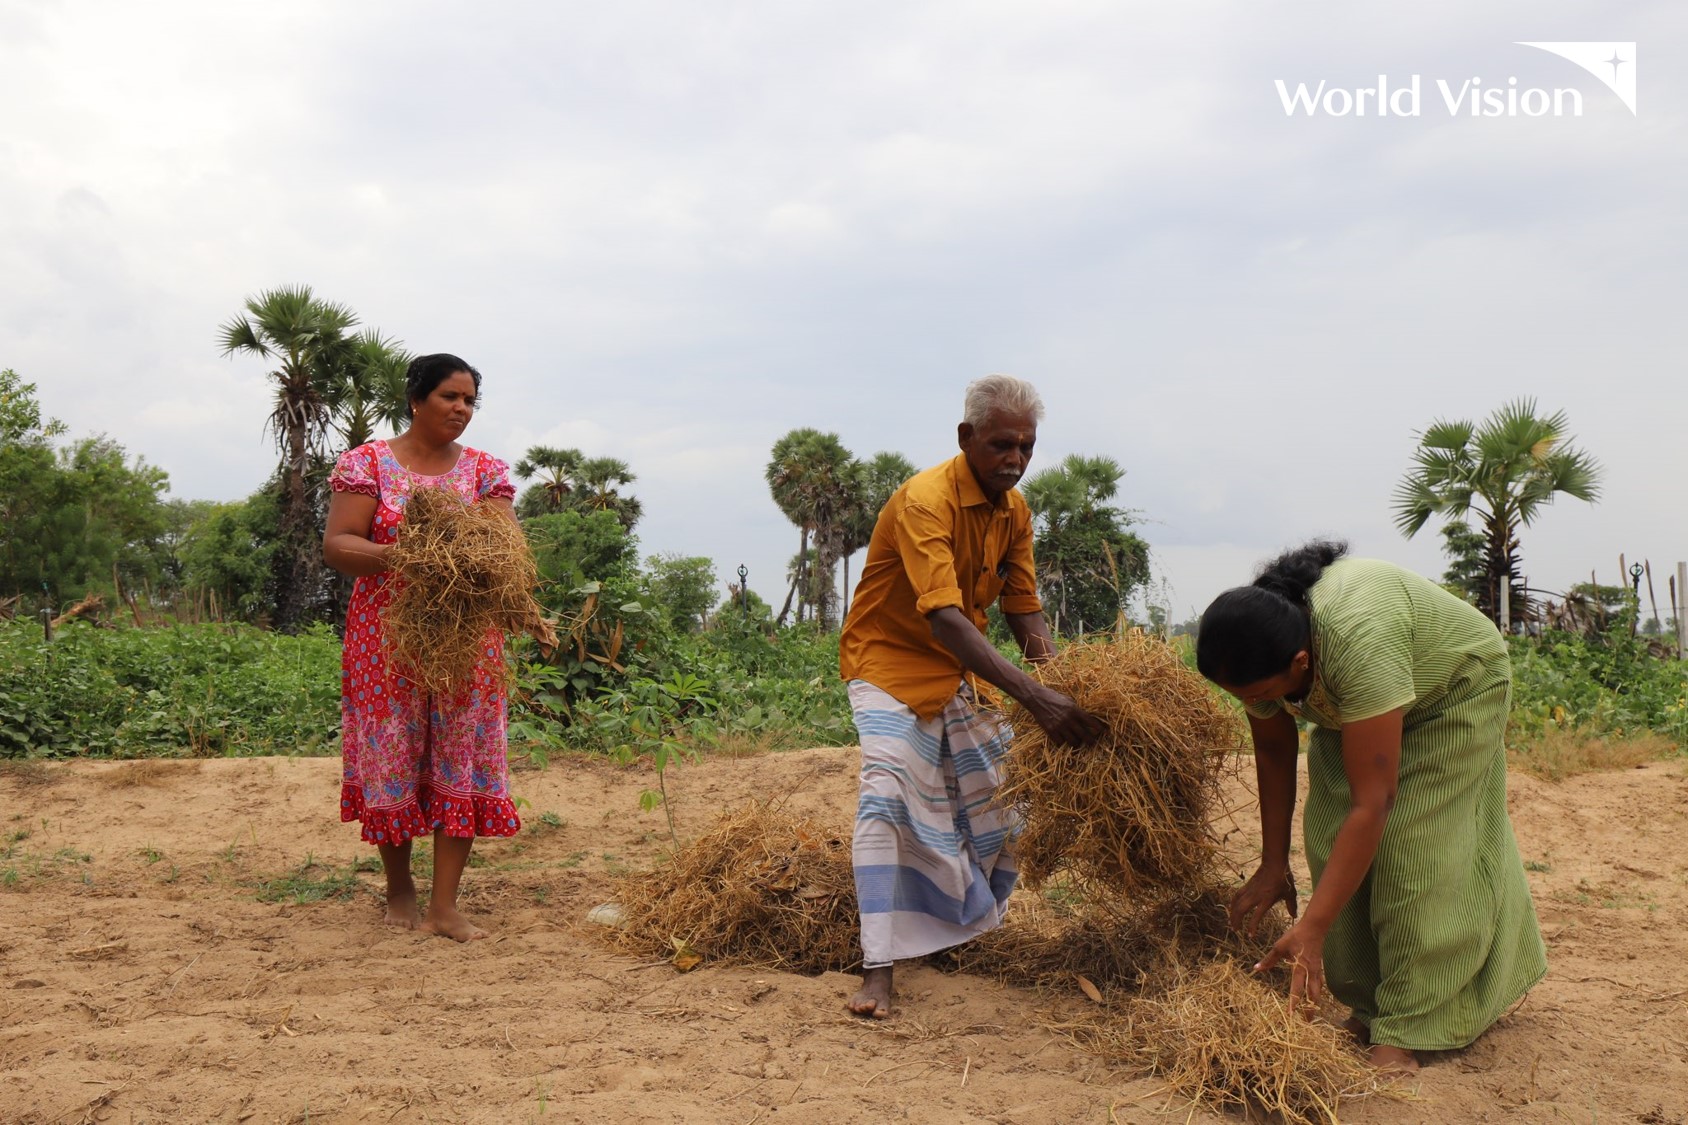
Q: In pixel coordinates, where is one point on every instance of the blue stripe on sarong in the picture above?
(882, 888)
(891, 810)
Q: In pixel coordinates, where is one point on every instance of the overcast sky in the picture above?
(670, 232)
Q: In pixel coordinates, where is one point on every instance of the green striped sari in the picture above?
(1441, 937)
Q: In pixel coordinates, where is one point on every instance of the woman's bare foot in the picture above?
(1361, 1033)
(401, 888)
(451, 924)
(1397, 1060)
(874, 999)
(401, 908)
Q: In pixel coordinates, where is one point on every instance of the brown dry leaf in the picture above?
(685, 957)
(1090, 990)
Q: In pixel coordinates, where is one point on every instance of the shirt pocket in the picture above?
(989, 585)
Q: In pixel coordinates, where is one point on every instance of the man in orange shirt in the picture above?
(933, 852)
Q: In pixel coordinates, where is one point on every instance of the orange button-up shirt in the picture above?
(938, 542)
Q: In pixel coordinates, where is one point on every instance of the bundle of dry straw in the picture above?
(762, 887)
(466, 573)
(1134, 812)
(1223, 1038)
(1113, 943)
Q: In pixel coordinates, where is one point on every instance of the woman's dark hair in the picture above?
(428, 371)
(1252, 632)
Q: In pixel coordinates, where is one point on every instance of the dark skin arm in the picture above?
(1275, 749)
(346, 545)
(1371, 758)
(1065, 721)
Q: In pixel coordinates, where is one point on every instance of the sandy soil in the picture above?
(142, 979)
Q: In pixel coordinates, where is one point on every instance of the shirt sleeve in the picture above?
(926, 544)
(1265, 709)
(354, 471)
(1366, 661)
(493, 481)
(1019, 593)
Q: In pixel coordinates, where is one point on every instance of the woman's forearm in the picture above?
(1277, 744)
(354, 555)
(1274, 772)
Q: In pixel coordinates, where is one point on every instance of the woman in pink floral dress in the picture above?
(417, 763)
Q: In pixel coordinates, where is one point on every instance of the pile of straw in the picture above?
(1130, 945)
(1223, 1038)
(762, 887)
(1134, 812)
(1119, 837)
(467, 574)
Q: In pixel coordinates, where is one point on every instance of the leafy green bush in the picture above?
(188, 689)
(1608, 685)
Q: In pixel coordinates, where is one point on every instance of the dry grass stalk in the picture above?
(147, 771)
(1116, 944)
(25, 772)
(762, 887)
(1223, 1038)
(467, 575)
(1556, 752)
(1134, 812)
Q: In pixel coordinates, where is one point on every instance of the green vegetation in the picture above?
(1608, 685)
(186, 690)
(310, 882)
(1089, 562)
(653, 667)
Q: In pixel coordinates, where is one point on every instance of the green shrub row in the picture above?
(190, 689)
(233, 689)
(1615, 684)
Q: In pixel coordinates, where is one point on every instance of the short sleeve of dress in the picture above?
(492, 481)
(354, 471)
(1367, 655)
(1265, 709)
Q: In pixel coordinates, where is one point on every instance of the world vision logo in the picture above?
(1612, 63)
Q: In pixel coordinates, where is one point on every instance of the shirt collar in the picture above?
(967, 485)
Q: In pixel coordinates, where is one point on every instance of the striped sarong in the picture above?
(933, 852)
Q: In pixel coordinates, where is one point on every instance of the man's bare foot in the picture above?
(1361, 1033)
(874, 999)
(401, 909)
(451, 924)
(1397, 1060)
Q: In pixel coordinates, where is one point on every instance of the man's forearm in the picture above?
(1031, 630)
(977, 655)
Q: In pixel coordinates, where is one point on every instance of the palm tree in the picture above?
(306, 339)
(600, 480)
(786, 482)
(368, 389)
(1503, 472)
(1088, 563)
(558, 470)
(812, 478)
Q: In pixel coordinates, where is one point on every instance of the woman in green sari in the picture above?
(1420, 918)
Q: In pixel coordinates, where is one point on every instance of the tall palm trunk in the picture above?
(1501, 561)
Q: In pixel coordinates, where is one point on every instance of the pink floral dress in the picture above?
(416, 762)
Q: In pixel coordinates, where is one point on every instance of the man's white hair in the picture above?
(1000, 394)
